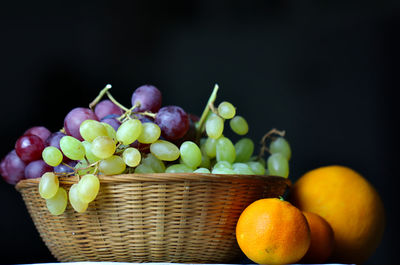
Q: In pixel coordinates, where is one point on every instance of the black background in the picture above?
(324, 72)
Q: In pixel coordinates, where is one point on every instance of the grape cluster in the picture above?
(109, 139)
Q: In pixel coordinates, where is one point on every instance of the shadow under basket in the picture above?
(179, 217)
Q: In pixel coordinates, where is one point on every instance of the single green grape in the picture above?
(154, 163)
(244, 149)
(72, 148)
(223, 164)
(131, 156)
(257, 167)
(278, 165)
(222, 170)
(225, 150)
(103, 147)
(164, 150)
(202, 170)
(52, 156)
(129, 131)
(280, 145)
(113, 165)
(90, 129)
(190, 154)
(242, 169)
(214, 126)
(178, 168)
(142, 168)
(58, 203)
(210, 147)
(110, 131)
(76, 203)
(226, 110)
(150, 133)
(205, 160)
(48, 185)
(239, 125)
(89, 154)
(88, 188)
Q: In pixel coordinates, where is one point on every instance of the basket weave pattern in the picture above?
(188, 218)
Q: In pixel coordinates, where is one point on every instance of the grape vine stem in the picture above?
(204, 115)
(264, 139)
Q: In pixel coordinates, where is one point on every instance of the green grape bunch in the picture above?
(110, 139)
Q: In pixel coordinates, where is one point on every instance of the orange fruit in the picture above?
(322, 239)
(351, 206)
(272, 231)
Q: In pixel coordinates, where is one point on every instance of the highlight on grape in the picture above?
(107, 138)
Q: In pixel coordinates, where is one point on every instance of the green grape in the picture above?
(258, 159)
(88, 188)
(52, 156)
(257, 167)
(178, 168)
(82, 165)
(222, 170)
(48, 185)
(164, 150)
(110, 131)
(72, 148)
(278, 165)
(154, 163)
(210, 147)
(214, 126)
(225, 150)
(202, 170)
(244, 149)
(89, 154)
(242, 169)
(150, 133)
(239, 125)
(76, 203)
(205, 160)
(90, 129)
(58, 203)
(226, 110)
(142, 168)
(129, 131)
(280, 145)
(113, 165)
(223, 164)
(103, 147)
(131, 156)
(190, 154)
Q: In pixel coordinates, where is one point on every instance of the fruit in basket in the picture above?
(322, 239)
(272, 231)
(108, 139)
(349, 203)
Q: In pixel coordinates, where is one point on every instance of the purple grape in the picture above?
(149, 98)
(61, 168)
(36, 169)
(74, 118)
(54, 139)
(13, 168)
(173, 122)
(3, 171)
(40, 131)
(107, 107)
(29, 148)
(112, 120)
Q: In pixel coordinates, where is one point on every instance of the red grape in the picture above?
(149, 98)
(54, 139)
(13, 168)
(36, 169)
(29, 148)
(40, 131)
(173, 122)
(74, 118)
(107, 107)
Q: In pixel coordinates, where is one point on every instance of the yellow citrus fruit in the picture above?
(322, 239)
(351, 206)
(272, 231)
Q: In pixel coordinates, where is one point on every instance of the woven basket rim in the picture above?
(160, 177)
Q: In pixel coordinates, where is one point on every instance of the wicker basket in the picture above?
(188, 218)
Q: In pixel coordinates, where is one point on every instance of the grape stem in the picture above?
(201, 123)
(147, 113)
(113, 100)
(268, 135)
(99, 96)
